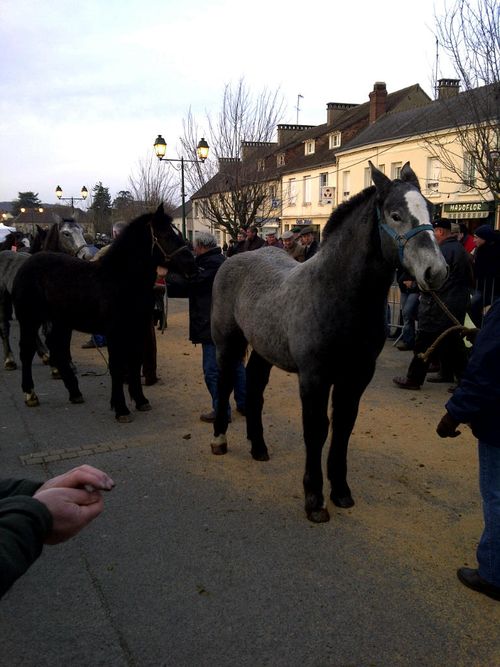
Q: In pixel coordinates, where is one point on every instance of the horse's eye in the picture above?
(396, 217)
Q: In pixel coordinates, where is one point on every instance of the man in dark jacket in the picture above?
(311, 246)
(209, 258)
(486, 271)
(433, 320)
(476, 401)
(34, 513)
(253, 240)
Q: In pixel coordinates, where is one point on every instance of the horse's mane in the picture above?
(343, 210)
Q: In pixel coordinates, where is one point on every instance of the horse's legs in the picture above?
(135, 358)
(314, 397)
(59, 343)
(257, 376)
(27, 347)
(5, 316)
(345, 405)
(117, 367)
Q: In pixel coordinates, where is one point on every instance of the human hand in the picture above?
(71, 509)
(83, 477)
(447, 427)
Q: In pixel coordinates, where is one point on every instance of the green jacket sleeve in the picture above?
(24, 523)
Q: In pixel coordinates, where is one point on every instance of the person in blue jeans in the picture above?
(209, 258)
(476, 401)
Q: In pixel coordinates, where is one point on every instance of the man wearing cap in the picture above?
(486, 271)
(292, 247)
(433, 320)
(309, 242)
(271, 240)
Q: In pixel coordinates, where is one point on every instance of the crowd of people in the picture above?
(32, 513)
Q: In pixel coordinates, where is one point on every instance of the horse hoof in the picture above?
(219, 446)
(342, 501)
(218, 450)
(45, 359)
(77, 399)
(145, 407)
(318, 516)
(260, 456)
(124, 419)
(31, 400)
(10, 365)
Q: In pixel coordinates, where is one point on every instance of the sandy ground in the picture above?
(381, 574)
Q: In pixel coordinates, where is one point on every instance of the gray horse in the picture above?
(64, 236)
(324, 319)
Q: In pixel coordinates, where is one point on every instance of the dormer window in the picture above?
(309, 147)
(261, 165)
(280, 160)
(334, 140)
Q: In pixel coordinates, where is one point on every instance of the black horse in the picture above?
(113, 295)
(66, 236)
(324, 319)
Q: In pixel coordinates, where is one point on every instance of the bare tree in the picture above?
(153, 183)
(469, 33)
(234, 181)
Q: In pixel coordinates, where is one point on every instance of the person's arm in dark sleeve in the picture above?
(24, 524)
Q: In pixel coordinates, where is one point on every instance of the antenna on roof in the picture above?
(298, 106)
(436, 73)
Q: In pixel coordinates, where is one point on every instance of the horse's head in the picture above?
(405, 215)
(169, 247)
(67, 236)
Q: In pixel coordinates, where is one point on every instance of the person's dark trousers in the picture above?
(417, 370)
(149, 356)
(211, 374)
(488, 550)
(453, 356)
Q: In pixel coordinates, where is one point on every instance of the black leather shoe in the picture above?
(471, 579)
(405, 383)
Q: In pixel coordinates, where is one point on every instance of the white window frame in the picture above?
(307, 185)
(292, 191)
(367, 176)
(334, 140)
(280, 160)
(396, 169)
(433, 175)
(346, 184)
(309, 147)
(469, 171)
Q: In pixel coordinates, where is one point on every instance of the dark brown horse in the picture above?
(113, 295)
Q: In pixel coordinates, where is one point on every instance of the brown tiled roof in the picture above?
(467, 108)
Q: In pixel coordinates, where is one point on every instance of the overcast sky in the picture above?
(85, 86)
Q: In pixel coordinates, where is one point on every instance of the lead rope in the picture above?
(464, 331)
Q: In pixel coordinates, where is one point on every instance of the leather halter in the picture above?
(155, 242)
(402, 239)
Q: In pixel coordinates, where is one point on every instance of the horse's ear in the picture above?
(409, 176)
(381, 181)
(160, 211)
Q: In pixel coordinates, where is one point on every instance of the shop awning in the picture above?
(467, 210)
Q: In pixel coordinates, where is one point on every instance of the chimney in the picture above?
(448, 88)
(249, 148)
(287, 132)
(335, 109)
(378, 97)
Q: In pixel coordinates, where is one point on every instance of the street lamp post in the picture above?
(202, 149)
(83, 192)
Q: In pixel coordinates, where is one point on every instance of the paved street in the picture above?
(200, 560)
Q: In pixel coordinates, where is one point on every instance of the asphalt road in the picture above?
(209, 561)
